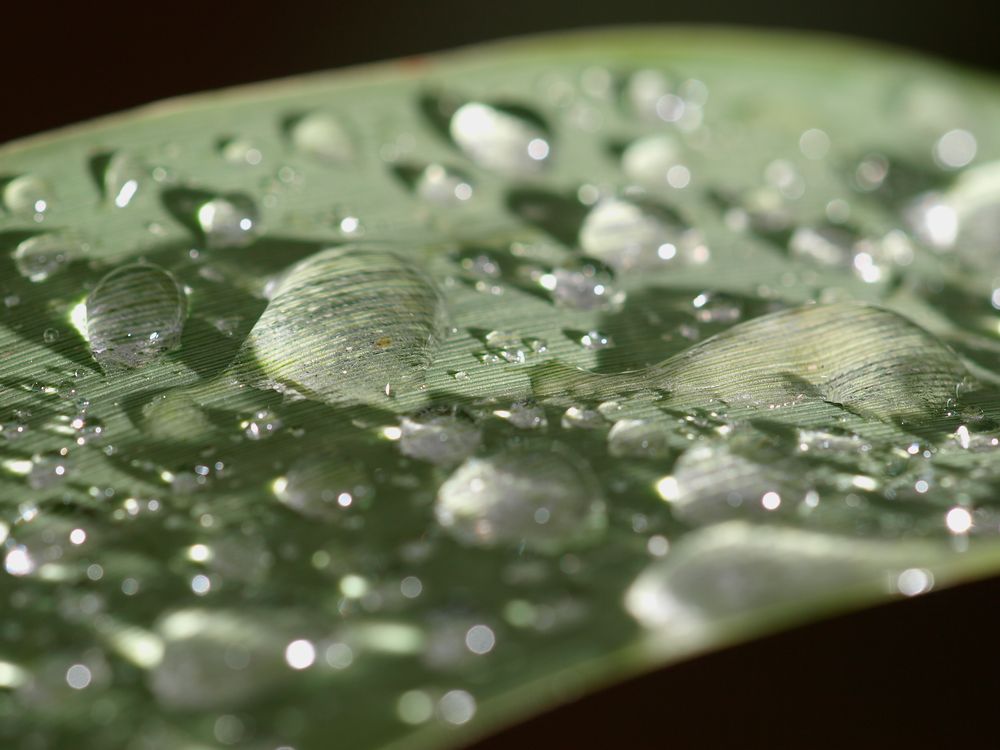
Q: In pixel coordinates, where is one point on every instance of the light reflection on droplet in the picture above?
(958, 521)
(955, 149)
(913, 581)
(414, 707)
(78, 677)
(300, 654)
(480, 639)
(18, 562)
(457, 707)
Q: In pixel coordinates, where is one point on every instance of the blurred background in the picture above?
(920, 673)
(74, 61)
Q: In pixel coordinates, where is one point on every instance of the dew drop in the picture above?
(123, 176)
(321, 136)
(27, 194)
(442, 439)
(495, 500)
(626, 235)
(506, 140)
(229, 221)
(442, 186)
(39, 257)
(346, 321)
(134, 314)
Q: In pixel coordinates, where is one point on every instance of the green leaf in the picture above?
(395, 405)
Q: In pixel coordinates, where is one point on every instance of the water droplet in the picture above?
(229, 221)
(507, 345)
(324, 489)
(735, 568)
(638, 438)
(711, 483)
(586, 288)
(495, 500)
(524, 416)
(321, 136)
(443, 439)
(123, 175)
(595, 341)
(655, 163)
(627, 235)
(240, 151)
(27, 194)
(262, 425)
(218, 659)
(372, 318)
(442, 186)
(134, 314)
(39, 257)
(581, 418)
(503, 139)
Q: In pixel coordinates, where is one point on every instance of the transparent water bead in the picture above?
(524, 415)
(655, 163)
(585, 288)
(241, 151)
(735, 568)
(122, 177)
(263, 424)
(39, 257)
(965, 218)
(442, 186)
(218, 659)
(540, 498)
(320, 488)
(442, 439)
(347, 322)
(321, 136)
(134, 314)
(26, 194)
(711, 483)
(626, 235)
(507, 345)
(229, 221)
(639, 438)
(506, 140)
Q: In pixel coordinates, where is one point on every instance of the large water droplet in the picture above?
(655, 163)
(350, 323)
(538, 497)
(735, 568)
(229, 221)
(39, 257)
(507, 140)
(134, 314)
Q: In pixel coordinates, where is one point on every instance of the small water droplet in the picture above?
(262, 425)
(39, 257)
(240, 151)
(229, 221)
(28, 195)
(595, 341)
(627, 235)
(442, 186)
(321, 136)
(506, 140)
(443, 439)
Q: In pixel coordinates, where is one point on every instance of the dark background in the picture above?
(63, 62)
(921, 673)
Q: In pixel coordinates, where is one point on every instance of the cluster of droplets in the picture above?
(380, 521)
